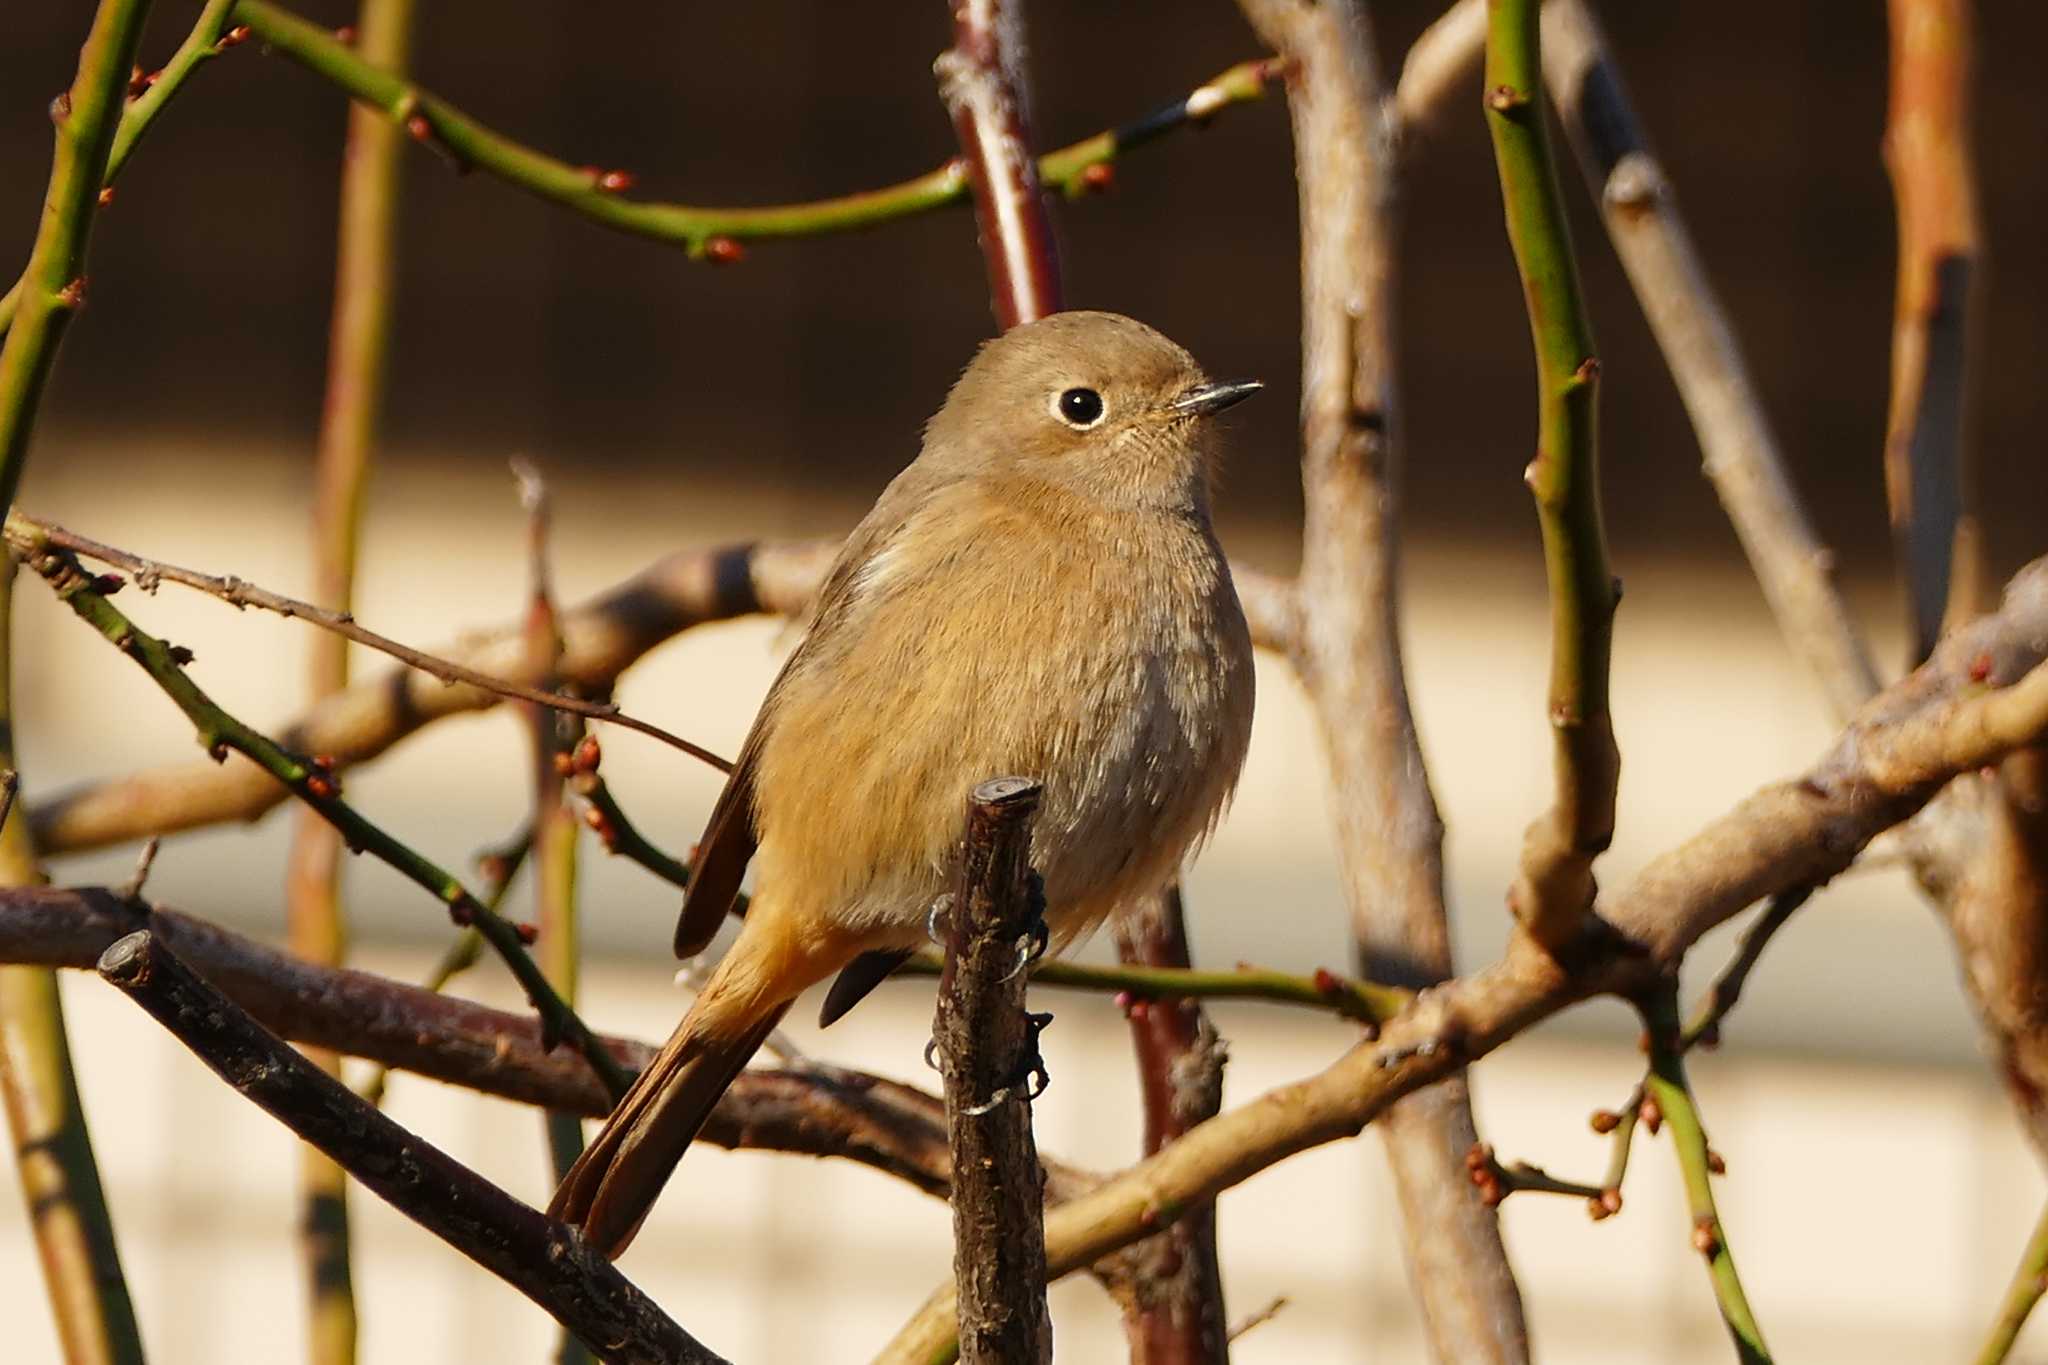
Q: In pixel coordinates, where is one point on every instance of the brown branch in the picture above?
(1347, 646)
(814, 1111)
(981, 80)
(601, 638)
(1927, 151)
(1442, 61)
(988, 1056)
(1741, 452)
(543, 1259)
(1914, 737)
(28, 535)
(1174, 1313)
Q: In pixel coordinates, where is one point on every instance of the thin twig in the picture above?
(987, 1048)
(1667, 1085)
(543, 1259)
(704, 233)
(1704, 1029)
(1555, 886)
(1368, 1002)
(318, 787)
(1934, 180)
(2029, 1280)
(1740, 450)
(26, 534)
(602, 637)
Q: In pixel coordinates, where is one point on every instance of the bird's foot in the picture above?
(1031, 1077)
(937, 919)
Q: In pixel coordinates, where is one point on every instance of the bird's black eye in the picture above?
(1081, 407)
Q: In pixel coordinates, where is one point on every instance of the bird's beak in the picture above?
(1206, 400)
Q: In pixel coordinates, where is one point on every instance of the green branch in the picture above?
(54, 287)
(1666, 1086)
(2028, 1282)
(1366, 1001)
(1555, 886)
(318, 786)
(704, 233)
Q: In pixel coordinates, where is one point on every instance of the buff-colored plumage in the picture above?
(1033, 595)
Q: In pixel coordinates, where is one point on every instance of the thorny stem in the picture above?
(26, 533)
(317, 787)
(54, 287)
(359, 339)
(1555, 886)
(1667, 1086)
(703, 232)
(2028, 1282)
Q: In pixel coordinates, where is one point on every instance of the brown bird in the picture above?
(1039, 593)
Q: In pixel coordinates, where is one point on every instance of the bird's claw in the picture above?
(936, 917)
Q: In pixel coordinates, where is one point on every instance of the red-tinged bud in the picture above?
(527, 932)
(1139, 1011)
(1608, 1204)
(1491, 1193)
(346, 34)
(1326, 981)
(616, 182)
(1980, 668)
(72, 295)
(1652, 1115)
(107, 584)
(1605, 1120)
(234, 37)
(138, 81)
(217, 751)
(724, 251)
(1099, 178)
(493, 867)
(106, 195)
(321, 786)
(324, 762)
(1706, 1237)
(1710, 1036)
(1477, 1155)
(588, 754)
(419, 129)
(180, 655)
(60, 108)
(1716, 1163)
(594, 818)
(564, 765)
(1124, 1003)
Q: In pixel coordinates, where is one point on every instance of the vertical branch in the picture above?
(1666, 1086)
(555, 827)
(981, 80)
(988, 1055)
(357, 346)
(1555, 885)
(1347, 645)
(52, 1146)
(1176, 1312)
(1739, 449)
(74, 1235)
(1927, 151)
(54, 288)
(543, 1259)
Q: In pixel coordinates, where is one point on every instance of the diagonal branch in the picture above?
(317, 786)
(543, 1259)
(1555, 886)
(1741, 452)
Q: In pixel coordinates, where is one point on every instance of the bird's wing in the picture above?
(730, 838)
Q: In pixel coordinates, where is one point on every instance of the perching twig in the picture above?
(1347, 649)
(988, 1056)
(26, 534)
(1740, 450)
(1555, 886)
(1910, 740)
(1368, 1002)
(2029, 1280)
(1927, 151)
(1667, 1086)
(541, 1258)
(705, 233)
(317, 786)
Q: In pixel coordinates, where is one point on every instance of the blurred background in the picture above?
(1878, 1192)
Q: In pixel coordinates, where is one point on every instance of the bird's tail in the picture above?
(612, 1185)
